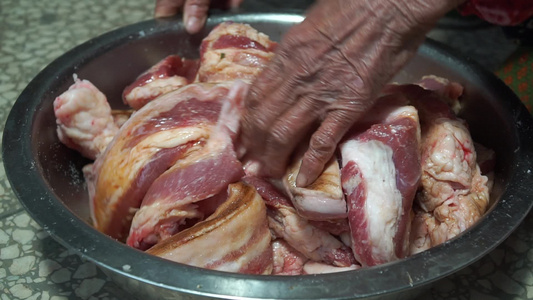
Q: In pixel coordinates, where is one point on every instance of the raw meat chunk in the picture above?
(235, 238)
(169, 74)
(234, 51)
(380, 176)
(84, 119)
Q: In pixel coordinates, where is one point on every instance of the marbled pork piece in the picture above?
(235, 238)
(84, 119)
(314, 243)
(380, 176)
(171, 73)
(176, 198)
(234, 51)
(165, 130)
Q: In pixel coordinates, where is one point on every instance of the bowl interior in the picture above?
(57, 197)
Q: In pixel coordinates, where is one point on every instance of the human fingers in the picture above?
(287, 133)
(195, 15)
(167, 8)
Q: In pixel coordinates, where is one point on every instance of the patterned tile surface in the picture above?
(34, 266)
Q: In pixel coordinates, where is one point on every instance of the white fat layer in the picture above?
(156, 87)
(383, 206)
(143, 152)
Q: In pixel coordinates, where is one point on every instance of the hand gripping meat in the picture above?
(321, 200)
(165, 130)
(235, 238)
(380, 176)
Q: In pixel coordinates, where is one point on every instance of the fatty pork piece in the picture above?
(188, 191)
(234, 51)
(286, 260)
(171, 73)
(454, 194)
(168, 129)
(285, 223)
(235, 238)
(380, 176)
(321, 200)
(84, 119)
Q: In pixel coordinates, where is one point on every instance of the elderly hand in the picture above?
(194, 11)
(326, 74)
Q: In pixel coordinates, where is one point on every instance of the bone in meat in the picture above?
(235, 238)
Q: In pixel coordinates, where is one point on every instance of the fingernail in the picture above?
(301, 180)
(193, 24)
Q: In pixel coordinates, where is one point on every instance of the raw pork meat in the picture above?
(454, 194)
(84, 119)
(235, 238)
(169, 74)
(286, 259)
(172, 200)
(234, 51)
(165, 130)
(314, 243)
(380, 176)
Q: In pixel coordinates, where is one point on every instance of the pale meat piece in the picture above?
(452, 217)
(235, 238)
(173, 200)
(84, 119)
(234, 51)
(286, 260)
(380, 176)
(171, 73)
(165, 130)
(285, 223)
(321, 200)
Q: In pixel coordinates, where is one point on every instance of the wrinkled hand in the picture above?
(326, 74)
(194, 11)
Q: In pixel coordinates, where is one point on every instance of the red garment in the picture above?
(499, 12)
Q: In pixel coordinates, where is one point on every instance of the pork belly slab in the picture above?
(380, 176)
(234, 51)
(171, 73)
(172, 201)
(170, 128)
(235, 238)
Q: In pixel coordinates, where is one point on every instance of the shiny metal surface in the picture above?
(47, 178)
